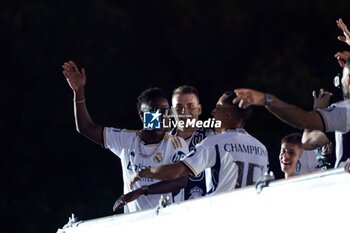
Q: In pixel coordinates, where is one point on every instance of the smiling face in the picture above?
(289, 156)
(186, 104)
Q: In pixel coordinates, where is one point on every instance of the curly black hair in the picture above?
(147, 95)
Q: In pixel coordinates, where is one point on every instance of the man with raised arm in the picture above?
(335, 118)
(145, 148)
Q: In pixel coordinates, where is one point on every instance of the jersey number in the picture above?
(250, 173)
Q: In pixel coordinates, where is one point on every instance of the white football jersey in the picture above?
(237, 159)
(134, 154)
(336, 119)
(196, 185)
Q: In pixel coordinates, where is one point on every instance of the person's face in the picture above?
(289, 156)
(345, 82)
(221, 111)
(186, 104)
(153, 105)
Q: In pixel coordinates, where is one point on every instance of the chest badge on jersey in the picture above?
(157, 158)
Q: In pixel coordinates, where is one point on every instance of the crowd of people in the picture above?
(188, 161)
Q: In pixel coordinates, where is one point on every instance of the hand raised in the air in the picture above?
(75, 78)
(346, 32)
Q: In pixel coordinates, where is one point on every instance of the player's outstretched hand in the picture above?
(76, 78)
(134, 177)
(247, 97)
(322, 99)
(126, 198)
(342, 57)
(346, 32)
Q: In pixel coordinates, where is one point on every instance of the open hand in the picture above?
(75, 78)
(247, 97)
(346, 32)
(322, 99)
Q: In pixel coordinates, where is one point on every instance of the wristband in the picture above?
(268, 99)
(79, 101)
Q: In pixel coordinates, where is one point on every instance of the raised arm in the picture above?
(313, 139)
(287, 113)
(343, 56)
(346, 32)
(84, 124)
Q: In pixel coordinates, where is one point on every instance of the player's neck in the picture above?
(152, 136)
(223, 130)
(227, 126)
(289, 174)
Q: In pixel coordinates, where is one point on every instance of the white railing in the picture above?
(317, 202)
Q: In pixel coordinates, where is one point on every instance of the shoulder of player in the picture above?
(115, 131)
(208, 132)
(119, 129)
(130, 131)
(229, 136)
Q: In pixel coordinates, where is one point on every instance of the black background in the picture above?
(49, 171)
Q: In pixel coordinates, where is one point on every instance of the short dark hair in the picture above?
(186, 89)
(293, 138)
(147, 95)
(242, 113)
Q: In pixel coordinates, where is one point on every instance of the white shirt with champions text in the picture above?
(134, 154)
(238, 160)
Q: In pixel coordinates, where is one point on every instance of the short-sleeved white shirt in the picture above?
(307, 162)
(134, 154)
(238, 160)
(336, 119)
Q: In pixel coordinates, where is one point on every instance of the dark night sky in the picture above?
(49, 171)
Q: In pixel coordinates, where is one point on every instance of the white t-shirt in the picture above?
(336, 119)
(134, 154)
(307, 162)
(237, 159)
